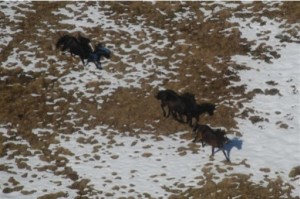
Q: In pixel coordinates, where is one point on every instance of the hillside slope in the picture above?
(73, 131)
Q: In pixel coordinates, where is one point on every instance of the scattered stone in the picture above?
(80, 185)
(294, 172)
(146, 154)
(272, 83)
(134, 143)
(10, 190)
(27, 192)
(13, 181)
(284, 126)
(255, 119)
(266, 170)
(272, 91)
(54, 195)
(114, 157)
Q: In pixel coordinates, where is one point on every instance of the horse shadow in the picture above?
(233, 143)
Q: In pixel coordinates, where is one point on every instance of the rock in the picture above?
(294, 172)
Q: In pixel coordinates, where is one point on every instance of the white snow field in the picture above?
(117, 165)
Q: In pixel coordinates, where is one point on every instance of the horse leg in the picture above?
(197, 119)
(226, 156)
(82, 59)
(180, 118)
(189, 120)
(169, 112)
(196, 137)
(212, 151)
(202, 141)
(174, 115)
(98, 65)
(162, 105)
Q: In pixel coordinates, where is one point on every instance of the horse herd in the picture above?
(185, 105)
(178, 105)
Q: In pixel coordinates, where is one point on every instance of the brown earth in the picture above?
(21, 111)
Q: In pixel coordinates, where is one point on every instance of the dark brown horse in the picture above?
(215, 138)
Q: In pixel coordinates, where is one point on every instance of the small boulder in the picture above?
(294, 172)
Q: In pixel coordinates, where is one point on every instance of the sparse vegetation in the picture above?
(35, 99)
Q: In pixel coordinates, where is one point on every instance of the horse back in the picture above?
(167, 95)
(215, 138)
(65, 40)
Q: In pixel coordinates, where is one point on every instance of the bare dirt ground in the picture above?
(27, 98)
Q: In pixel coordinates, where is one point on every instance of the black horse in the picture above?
(183, 105)
(75, 45)
(189, 106)
(198, 110)
(178, 105)
(81, 46)
(168, 98)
